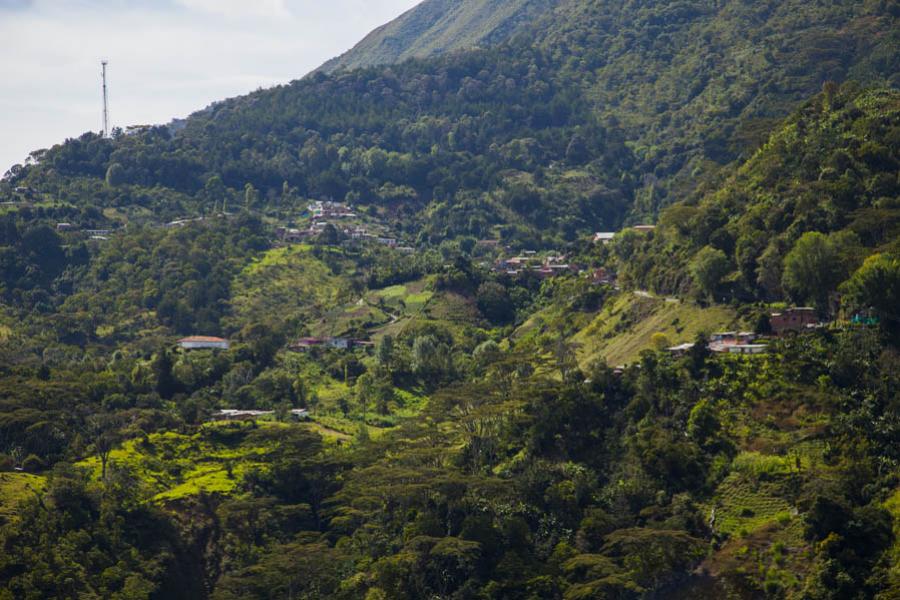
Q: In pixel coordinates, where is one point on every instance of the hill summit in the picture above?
(438, 26)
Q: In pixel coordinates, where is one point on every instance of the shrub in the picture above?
(33, 464)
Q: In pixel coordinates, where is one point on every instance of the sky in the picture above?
(167, 58)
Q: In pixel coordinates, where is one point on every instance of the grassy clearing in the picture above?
(626, 325)
(754, 464)
(892, 505)
(172, 465)
(288, 282)
(14, 488)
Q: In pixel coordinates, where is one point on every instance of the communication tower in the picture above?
(105, 101)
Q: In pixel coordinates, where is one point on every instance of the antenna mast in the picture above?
(105, 102)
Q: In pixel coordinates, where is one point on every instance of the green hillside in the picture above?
(827, 179)
(578, 124)
(440, 387)
(440, 26)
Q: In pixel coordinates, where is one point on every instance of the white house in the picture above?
(198, 342)
(339, 343)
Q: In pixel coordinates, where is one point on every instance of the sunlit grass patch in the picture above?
(16, 487)
(754, 464)
(171, 465)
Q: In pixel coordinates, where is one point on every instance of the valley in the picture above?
(515, 300)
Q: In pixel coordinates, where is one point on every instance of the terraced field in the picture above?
(744, 504)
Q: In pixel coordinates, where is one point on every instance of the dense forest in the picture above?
(447, 389)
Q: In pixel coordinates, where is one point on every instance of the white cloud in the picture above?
(239, 8)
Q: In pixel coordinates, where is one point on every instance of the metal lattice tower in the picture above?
(105, 102)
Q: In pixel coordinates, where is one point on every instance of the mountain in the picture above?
(598, 113)
(439, 26)
(440, 387)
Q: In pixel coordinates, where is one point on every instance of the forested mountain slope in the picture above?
(466, 436)
(795, 220)
(440, 26)
(603, 110)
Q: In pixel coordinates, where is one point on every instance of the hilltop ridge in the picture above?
(438, 26)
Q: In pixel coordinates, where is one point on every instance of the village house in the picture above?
(64, 226)
(728, 342)
(339, 343)
(305, 344)
(603, 276)
(292, 236)
(181, 222)
(330, 210)
(793, 320)
(644, 228)
(200, 342)
(723, 341)
(604, 237)
(681, 349)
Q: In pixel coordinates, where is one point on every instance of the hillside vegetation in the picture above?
(447, 391)
(825, 184)
(440, 26)
(603, 111)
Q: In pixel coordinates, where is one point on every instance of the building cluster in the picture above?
(322, 214)
(306, 344)
(529, 262)
(789, 321)
(323, 209)
(727, 342)
(354, 234)
(93, 234)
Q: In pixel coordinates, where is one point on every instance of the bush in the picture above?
(6, 463)
(33, 464)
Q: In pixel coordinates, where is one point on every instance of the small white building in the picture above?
(200, 342)
(681, 349)
(339, 343)
(604, 237)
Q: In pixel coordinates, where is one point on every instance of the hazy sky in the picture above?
(167, 58)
